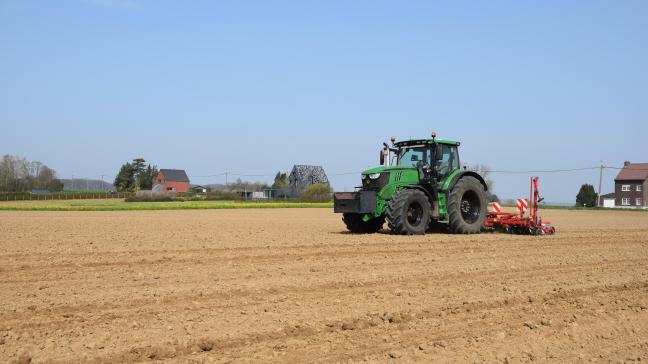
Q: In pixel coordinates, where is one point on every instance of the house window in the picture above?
(625, 187)
(625, 201)
(638, 201)
(638, 188)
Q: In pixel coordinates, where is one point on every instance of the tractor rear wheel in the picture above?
(408, 212)
(356, 225)
(467, 206)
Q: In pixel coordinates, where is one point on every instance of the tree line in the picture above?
(21, 175)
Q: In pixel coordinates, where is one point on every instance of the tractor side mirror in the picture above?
(438, 152)
(382, 157)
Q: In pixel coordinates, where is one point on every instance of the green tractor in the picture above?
(419, 187)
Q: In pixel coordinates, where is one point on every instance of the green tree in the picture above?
(317, 193)
(125, 180)
(135, 176)
(586, 196)
(55, 185)
(139, 166)
(145, 178)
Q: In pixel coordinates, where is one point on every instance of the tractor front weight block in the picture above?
(362, 202)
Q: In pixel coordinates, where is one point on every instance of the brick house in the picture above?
(631, 185)
(171, 180)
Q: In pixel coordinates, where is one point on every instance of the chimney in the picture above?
(626, 163)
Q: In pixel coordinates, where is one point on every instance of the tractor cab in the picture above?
(434, 158)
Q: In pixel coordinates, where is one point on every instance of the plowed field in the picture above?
(292, 286)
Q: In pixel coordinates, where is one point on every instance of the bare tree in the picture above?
(19, 174)
(485, 172)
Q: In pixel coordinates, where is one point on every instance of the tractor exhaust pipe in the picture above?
(384, 155)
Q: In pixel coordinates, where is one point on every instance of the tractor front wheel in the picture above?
(408, 212)
(467, 206)
(357, 225)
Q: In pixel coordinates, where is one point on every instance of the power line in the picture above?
(210, 175)
(342, 174)
(547, 171)
(359, 172)
(630, 169)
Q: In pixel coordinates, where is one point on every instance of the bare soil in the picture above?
(293, 286)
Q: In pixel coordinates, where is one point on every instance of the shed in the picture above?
(607, 200)
(199, 189)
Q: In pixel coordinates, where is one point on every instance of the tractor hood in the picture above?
(383, 169)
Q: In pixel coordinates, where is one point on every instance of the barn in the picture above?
(171, 180)
(303, 176)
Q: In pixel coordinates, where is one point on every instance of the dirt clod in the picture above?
(441, 344)
(530, 325)
(348, 326)
(206, 344)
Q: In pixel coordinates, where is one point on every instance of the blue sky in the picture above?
(257, 86)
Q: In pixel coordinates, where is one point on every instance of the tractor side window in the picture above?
(449, 161)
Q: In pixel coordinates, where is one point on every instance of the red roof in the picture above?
(633, 172)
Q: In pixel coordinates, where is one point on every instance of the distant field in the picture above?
(120, 205)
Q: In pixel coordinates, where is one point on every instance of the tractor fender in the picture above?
(463, 174)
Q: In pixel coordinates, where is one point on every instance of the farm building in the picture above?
(631, 185)
(171, 180)
(606, 200)
(303, 176)
(199, 189)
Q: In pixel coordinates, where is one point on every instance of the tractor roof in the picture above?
(405, 143)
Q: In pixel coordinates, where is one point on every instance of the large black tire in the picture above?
(408, 212)
(356, 225)
(467, 206)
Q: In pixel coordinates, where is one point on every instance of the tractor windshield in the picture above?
(415, 156)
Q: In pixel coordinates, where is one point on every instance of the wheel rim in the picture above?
(470, 207)
(414, 213)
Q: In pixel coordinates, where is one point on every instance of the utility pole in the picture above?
(225, 177)
(73, 182)
(600, 183)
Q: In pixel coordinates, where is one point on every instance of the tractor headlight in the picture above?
(374, 176)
